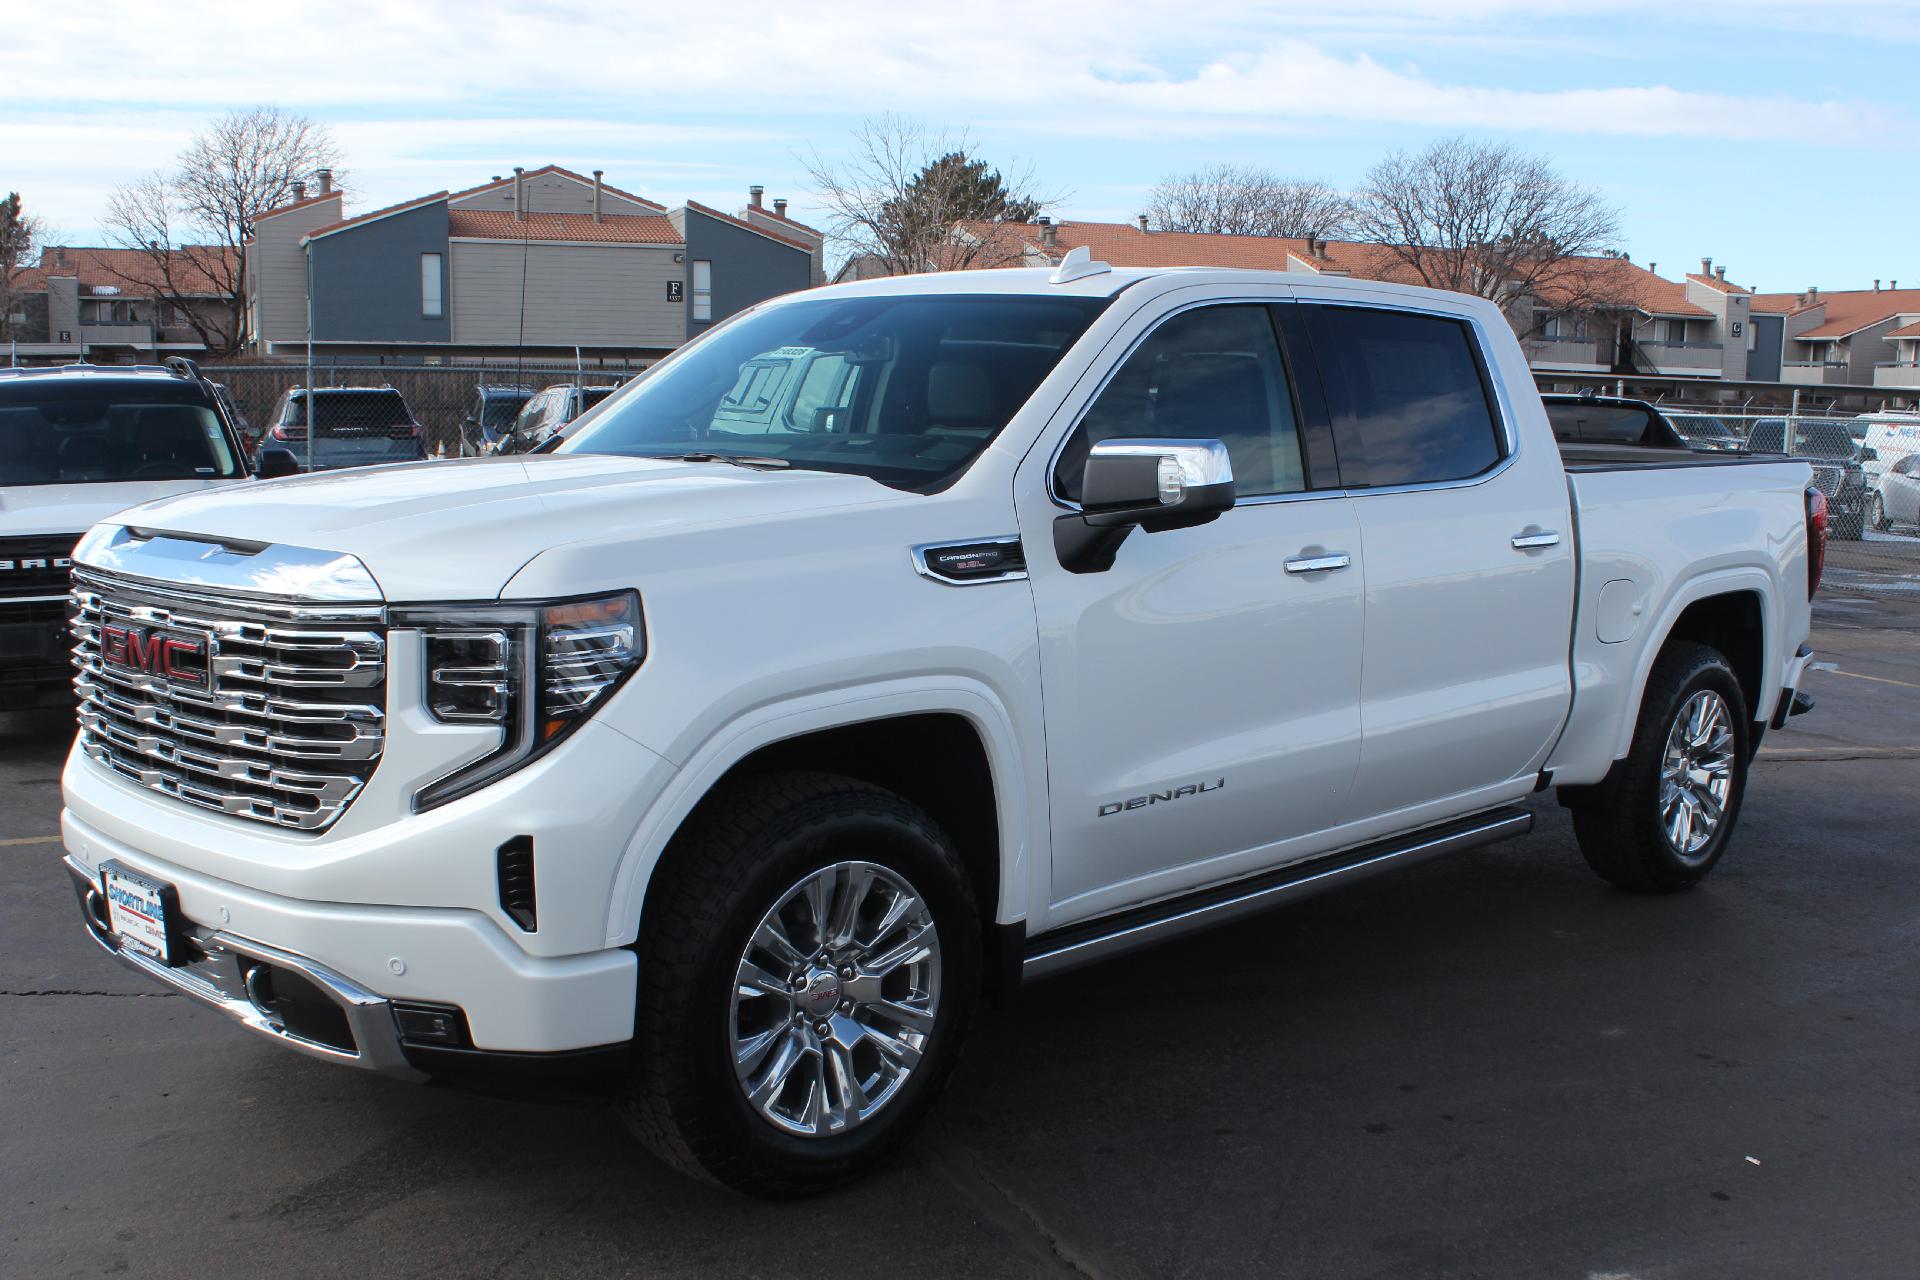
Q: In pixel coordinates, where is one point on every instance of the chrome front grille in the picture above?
(285, 729)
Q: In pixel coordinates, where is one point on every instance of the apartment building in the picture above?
(545, 261)
(1601, 315)
(115, 306)
(1856, 337)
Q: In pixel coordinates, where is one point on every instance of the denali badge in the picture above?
(1155, 797)
(182, 659)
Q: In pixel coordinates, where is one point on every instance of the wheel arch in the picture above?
(1728, 611)
(952, 750)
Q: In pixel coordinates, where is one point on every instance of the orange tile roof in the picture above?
(772, 233)
(1852, 310)
(1124, 244)
(1715, 282)
(1907, 331)
(1775, 304)
(132, 273)
(615, 228)
(290, 206)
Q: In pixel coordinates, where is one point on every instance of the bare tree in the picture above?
(19, 235)
(191, 224)
(1241, 200)
(1486, 219)
(911, 200)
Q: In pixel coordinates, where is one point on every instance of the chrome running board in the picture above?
(1108, 936)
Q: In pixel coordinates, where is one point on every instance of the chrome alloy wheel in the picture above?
(1696, 773)
(834, 998)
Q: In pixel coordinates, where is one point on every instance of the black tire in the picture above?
(747, 845)
(1850, 526)
(1877, 514)
(1618, 822)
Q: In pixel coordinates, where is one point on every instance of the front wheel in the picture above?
(1662, 817)
(809, 966)
(1877, 513)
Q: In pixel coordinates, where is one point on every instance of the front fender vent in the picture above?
(514, 861)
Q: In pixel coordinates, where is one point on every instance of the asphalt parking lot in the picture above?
(1491, 1066)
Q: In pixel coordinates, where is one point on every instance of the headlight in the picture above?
(535, 670)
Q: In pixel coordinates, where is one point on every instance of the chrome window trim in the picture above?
(1502, 405)
(921, 567)
(1060, 447)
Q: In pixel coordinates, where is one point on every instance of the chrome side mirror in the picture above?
(1153, 484)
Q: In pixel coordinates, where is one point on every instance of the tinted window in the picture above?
(349, 410)
(1604, 423)
(1210, 374)
(1410, 403)
(929, 380)
(103, 436)
(1768, 436)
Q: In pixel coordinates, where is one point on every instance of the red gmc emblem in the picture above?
(157, 653)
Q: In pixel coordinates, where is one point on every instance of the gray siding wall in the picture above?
(747, 267)
(366, 279)
(1867, 348)
(551, 194)
(1763, 362)
(576, 295)
(63, 308)
(277, 271)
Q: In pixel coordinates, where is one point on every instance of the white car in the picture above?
(1082, 610)
(78, 443)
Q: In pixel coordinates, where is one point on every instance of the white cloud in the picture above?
(425, 94)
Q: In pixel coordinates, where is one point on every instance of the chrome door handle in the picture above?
(1534, 541)
(1320, 563)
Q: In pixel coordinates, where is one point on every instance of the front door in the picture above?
(1202, 696)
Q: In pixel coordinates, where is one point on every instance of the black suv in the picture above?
(1837, 460)
(78, 443)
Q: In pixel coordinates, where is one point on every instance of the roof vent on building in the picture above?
(1876, 284)
(59, 255)
(299, 190)
(519, 193)
(1720, 274)
(755, 194)
(598, 212)
(1706, 266)
(780, 207)
(1049, 235)
(326, 180)
(1813, 293)
(1143, 222)
(1653, 268)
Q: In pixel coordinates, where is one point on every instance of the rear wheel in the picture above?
(808, 969)
(1663, 816)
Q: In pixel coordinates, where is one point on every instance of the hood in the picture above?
(458, 530)
(75, 508)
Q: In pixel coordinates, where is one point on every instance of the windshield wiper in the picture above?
(732, 459)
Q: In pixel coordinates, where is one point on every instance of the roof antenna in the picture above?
(1077, 265)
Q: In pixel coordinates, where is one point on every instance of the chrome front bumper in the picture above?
(229, 974)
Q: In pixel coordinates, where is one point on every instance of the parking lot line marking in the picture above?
(1855, 675)
(17, 840)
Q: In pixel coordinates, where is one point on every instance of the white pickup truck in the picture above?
(739, 742)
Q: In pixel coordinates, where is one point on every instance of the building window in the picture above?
(432, 304)
(702, 290)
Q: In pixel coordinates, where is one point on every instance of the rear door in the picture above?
(1468, 548)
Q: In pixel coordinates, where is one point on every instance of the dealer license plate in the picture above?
(137, 909)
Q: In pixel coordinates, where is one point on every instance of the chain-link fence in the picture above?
(361, 414)
(1868, 466)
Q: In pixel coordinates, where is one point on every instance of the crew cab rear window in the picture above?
(1408, 396)
(1587, 423)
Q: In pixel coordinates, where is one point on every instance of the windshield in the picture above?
(347, 410)
(907, 390)
(499, 408)
(92, 439)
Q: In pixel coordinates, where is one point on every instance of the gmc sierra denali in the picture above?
(888, 645)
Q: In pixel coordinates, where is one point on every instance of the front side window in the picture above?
(432, 303)
(1408, 394)
(95, 438)
(1213, 373)
(930, 380)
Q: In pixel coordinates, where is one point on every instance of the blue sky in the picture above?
(1778, 138)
